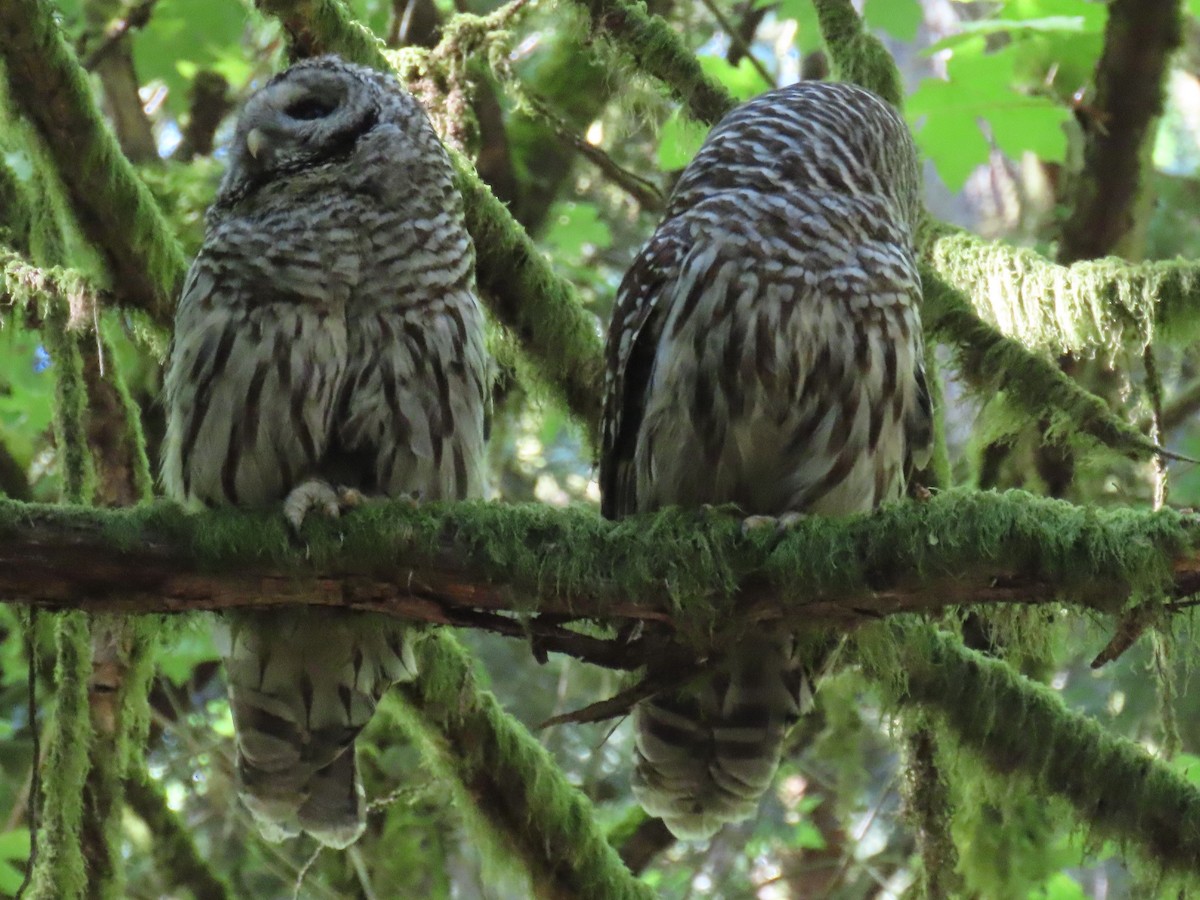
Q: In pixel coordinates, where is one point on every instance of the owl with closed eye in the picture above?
(329, 344)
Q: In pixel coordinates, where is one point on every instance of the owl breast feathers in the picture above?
(328, 332)
(766, 351)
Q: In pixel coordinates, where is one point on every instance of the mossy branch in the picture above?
(113, 208)
(530, 808)
(1101, 304)
(475, 564)
(659, 52)
(1130, 92)
(993, 362)
(1019, 726)
(29, 289)
(857, 55)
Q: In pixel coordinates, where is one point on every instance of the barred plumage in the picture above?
(766, 351)
(328, 332)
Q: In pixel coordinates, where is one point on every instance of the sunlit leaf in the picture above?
(899, 18)
(947, 114)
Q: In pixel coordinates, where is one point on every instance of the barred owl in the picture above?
(765, 351)
(328, 338)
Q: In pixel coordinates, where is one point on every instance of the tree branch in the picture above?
(1020, 727)
(479, 564)
(529, 806)
(1139, 38)
(114, 209)
(659, 51)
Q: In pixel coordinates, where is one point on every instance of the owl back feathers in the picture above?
(765, 351)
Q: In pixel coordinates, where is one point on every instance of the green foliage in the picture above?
(1011, 77)
(186, 36)
(946, 114)
(14, 849)
(899, 18)
(26, 398)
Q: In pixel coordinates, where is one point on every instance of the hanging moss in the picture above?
(1094, 306)
(60, 872)
(70, 407)
(531, 808)
(1022, 728)
(993, 363)
(928, 809)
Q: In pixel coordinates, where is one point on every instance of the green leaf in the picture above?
(808, 31)
(807, 836)
(184, 36)
(1187, 765)
(1059, 886)
(14, 844)
(899, 18)
(742, 80)
(10, 879)
(573, 227)
(946, 114)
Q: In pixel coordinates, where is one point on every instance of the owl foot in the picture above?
(322, 497)
(781, 524)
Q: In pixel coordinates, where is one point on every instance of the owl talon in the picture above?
(781, 524)
(319, 496)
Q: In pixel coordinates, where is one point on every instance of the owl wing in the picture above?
(643, 301)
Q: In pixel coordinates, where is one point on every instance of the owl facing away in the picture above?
(765, 351)
(328, 337)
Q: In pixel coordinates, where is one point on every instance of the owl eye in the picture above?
(310, 108)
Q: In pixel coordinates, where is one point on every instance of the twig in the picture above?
(622, 702)
(738, 40)
(137, 17)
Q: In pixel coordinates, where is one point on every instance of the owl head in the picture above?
(313, 114)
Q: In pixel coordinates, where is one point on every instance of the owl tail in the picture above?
(708, 752)
(302, 685)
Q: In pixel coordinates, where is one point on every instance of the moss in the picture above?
(698, 560)
(532, 810)
(1020, 727)
(858, 56)
(993, 363)
(659, 51)
(60, 872)
(114, 210)
(1099, 305)
(928, 808)
(70, 408)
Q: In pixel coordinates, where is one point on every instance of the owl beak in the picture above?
(255, 141)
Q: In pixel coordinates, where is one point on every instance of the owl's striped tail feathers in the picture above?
(302, 685)
(708, 752)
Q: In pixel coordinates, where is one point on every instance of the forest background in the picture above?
(1027, 729)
